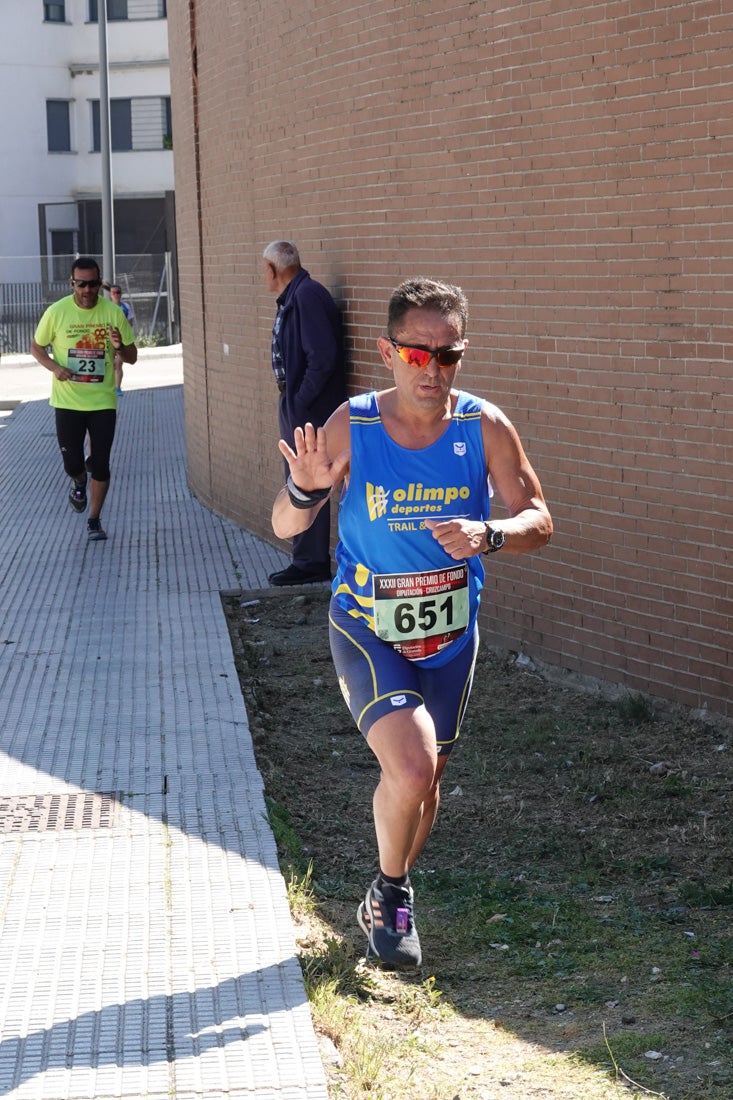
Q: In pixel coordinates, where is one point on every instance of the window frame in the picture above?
(67, 148)
(58, 272)
(117, 6)
(120, 124)
(49, 6)
(116, 125)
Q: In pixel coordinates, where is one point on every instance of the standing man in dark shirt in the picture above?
(308, 364)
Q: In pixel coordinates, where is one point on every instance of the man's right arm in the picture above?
(312, 470)
(40, 354)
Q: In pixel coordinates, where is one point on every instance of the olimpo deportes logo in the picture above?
(413, 499)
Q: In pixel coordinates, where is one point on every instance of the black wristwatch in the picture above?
(494, 539)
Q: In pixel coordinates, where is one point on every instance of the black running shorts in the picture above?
(376, 680)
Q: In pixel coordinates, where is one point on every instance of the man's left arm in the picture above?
(122, 339)
(528, 525)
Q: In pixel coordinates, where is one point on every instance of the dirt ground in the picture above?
(553, 897)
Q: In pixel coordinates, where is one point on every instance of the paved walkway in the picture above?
(146, 948)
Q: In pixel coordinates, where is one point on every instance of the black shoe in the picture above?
(387, 917)
(78, 497)
(294, 575)
(95, 531)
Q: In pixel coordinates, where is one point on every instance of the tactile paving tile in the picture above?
(146, 953)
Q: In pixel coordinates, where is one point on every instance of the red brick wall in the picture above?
(569, 165)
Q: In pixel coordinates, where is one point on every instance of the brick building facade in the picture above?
(569, 164)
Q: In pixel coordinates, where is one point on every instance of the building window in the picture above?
(168, 132)
(135, 124)
(57, 126)
(120, 130)
(116, 9)
(151, 124)
(63, 250)
(54, 13)
(129, 9)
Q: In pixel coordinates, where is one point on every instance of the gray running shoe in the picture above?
(95, 531)
(386, 916)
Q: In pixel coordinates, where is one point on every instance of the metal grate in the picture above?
(49, 813)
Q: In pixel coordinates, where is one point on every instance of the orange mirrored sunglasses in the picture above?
(420, 357)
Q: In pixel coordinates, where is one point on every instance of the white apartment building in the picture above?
(51, 180)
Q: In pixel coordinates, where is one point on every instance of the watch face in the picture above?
(494, 540)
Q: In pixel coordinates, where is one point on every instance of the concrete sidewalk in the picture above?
(146, 947)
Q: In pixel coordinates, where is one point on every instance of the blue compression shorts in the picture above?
(375, 679)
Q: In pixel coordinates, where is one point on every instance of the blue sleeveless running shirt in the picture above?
(391, 572)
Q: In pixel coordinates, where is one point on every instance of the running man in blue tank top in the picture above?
(415, 461)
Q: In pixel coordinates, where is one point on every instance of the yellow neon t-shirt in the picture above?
(79, 340)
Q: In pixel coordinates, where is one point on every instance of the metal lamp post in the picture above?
(105, 148)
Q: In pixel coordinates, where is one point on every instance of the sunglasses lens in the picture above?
(448, 357)
(82, 283)
(414, 357)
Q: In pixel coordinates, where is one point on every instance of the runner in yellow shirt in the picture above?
(84, 332)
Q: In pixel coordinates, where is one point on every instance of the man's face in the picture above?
(269, 277)
(116, 295)
(428, 387)
(85, 296)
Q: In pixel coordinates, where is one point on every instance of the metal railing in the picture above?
(146, 281)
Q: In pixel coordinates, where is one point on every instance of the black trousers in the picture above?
(311, 549)
(71, 429)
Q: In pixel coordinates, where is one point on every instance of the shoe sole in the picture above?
(77, 505)
(97, 536)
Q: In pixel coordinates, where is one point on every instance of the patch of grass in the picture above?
(708, 895)
(417, 1000)
(635, 709)
(365, 1056)
(334, 969)
(289, 844)
(301, 896)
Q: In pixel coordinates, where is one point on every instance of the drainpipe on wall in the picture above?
(199, 217)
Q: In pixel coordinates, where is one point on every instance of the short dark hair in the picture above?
(115, 286)
(86, 262)
(424, 293)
